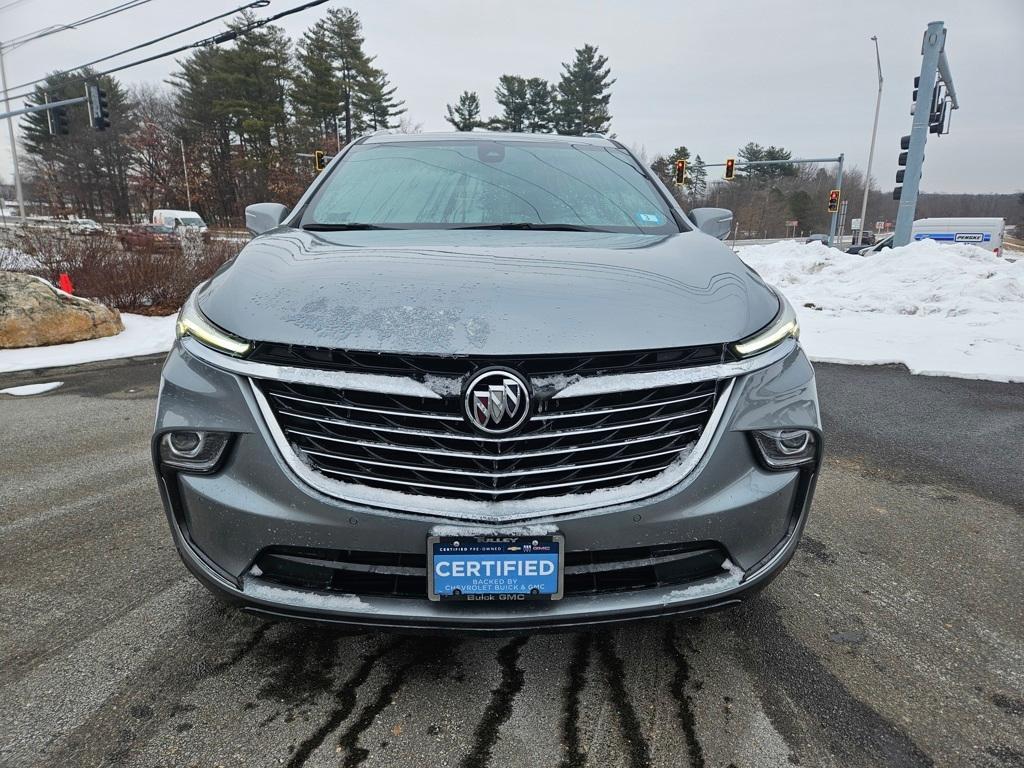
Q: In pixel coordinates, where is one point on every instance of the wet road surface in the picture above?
(894, 638)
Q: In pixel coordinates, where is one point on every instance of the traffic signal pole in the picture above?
(933, 62)
(835, 214)
(41, 107)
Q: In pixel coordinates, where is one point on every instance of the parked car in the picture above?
(179, 219)
(483, 381)
(866, 238)
(149, 236)
(84, 226)
(823, 239)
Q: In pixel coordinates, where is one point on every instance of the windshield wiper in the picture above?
(531, 225)
(341, 227)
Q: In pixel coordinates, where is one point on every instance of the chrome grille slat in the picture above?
(494, 475)
(524, 489)
(493, 440)
(427, 449)
(603, 411)
(498, 456)
(364, 409)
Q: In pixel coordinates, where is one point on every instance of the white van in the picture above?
(985, 233)
(176, 219)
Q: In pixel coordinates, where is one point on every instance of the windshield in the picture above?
(488, 182)
(191, 221)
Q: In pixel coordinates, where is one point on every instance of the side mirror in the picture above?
(263, 217)
(716, 222)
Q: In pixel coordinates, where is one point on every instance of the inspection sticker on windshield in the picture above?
(494, 568)
(650, 219)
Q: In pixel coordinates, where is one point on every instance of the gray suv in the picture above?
(485, 381)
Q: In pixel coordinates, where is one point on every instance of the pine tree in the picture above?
(315, 86)
(352, 67)
(465, 115)
(87, 170)
(752, 152)
(512, 95)
(377, 106)
(664, 167)
(698, 178)
(584, 94)
(540, 98)
(202, 101)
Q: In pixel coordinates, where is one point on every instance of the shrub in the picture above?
(147, 279)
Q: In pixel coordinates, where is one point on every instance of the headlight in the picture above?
(783, 327)
(191, 322)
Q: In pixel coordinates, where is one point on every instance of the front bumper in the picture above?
(222, 522)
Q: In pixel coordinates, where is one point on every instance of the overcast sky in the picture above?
(710, 75)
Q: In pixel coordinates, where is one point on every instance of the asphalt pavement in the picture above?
(894, 638)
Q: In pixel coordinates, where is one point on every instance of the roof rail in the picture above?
(594, 135)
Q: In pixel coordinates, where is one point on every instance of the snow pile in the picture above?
(14, 260)
(322, 601)
(141, 336)
(940, 309)
(729, 580)
(31, 389)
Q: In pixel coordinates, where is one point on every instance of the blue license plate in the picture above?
(494, 568)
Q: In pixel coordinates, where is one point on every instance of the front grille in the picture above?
(426, 446)
(388, 574)
(396, 364)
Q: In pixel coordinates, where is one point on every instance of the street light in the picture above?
(184, 165)
(871, 152)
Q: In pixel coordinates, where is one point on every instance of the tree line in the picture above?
(230, 127)
(578, 104)
(242, 114)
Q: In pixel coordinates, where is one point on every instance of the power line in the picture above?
(53, 29)
(248, 6)
(223, 37)
(11, 4)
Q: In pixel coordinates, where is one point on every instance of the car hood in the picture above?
(487, 292)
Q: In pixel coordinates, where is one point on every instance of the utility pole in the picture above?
(184, 163)
(859, 235)
(10, 133)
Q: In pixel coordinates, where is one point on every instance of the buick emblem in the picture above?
(497, 401)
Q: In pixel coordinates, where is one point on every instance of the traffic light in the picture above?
(833, 201)
(99, 110)
(937, 122)
(318, 160)
(57, 118)
(680, 172)
(730, 169)
(902, 162)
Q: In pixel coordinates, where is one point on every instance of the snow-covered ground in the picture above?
(951, 310)
(31, 389)
(943, 310)
(141, 336)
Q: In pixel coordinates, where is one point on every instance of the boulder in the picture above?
(33, 313)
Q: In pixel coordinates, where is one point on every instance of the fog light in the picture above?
(786, 448)
(193, 450)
